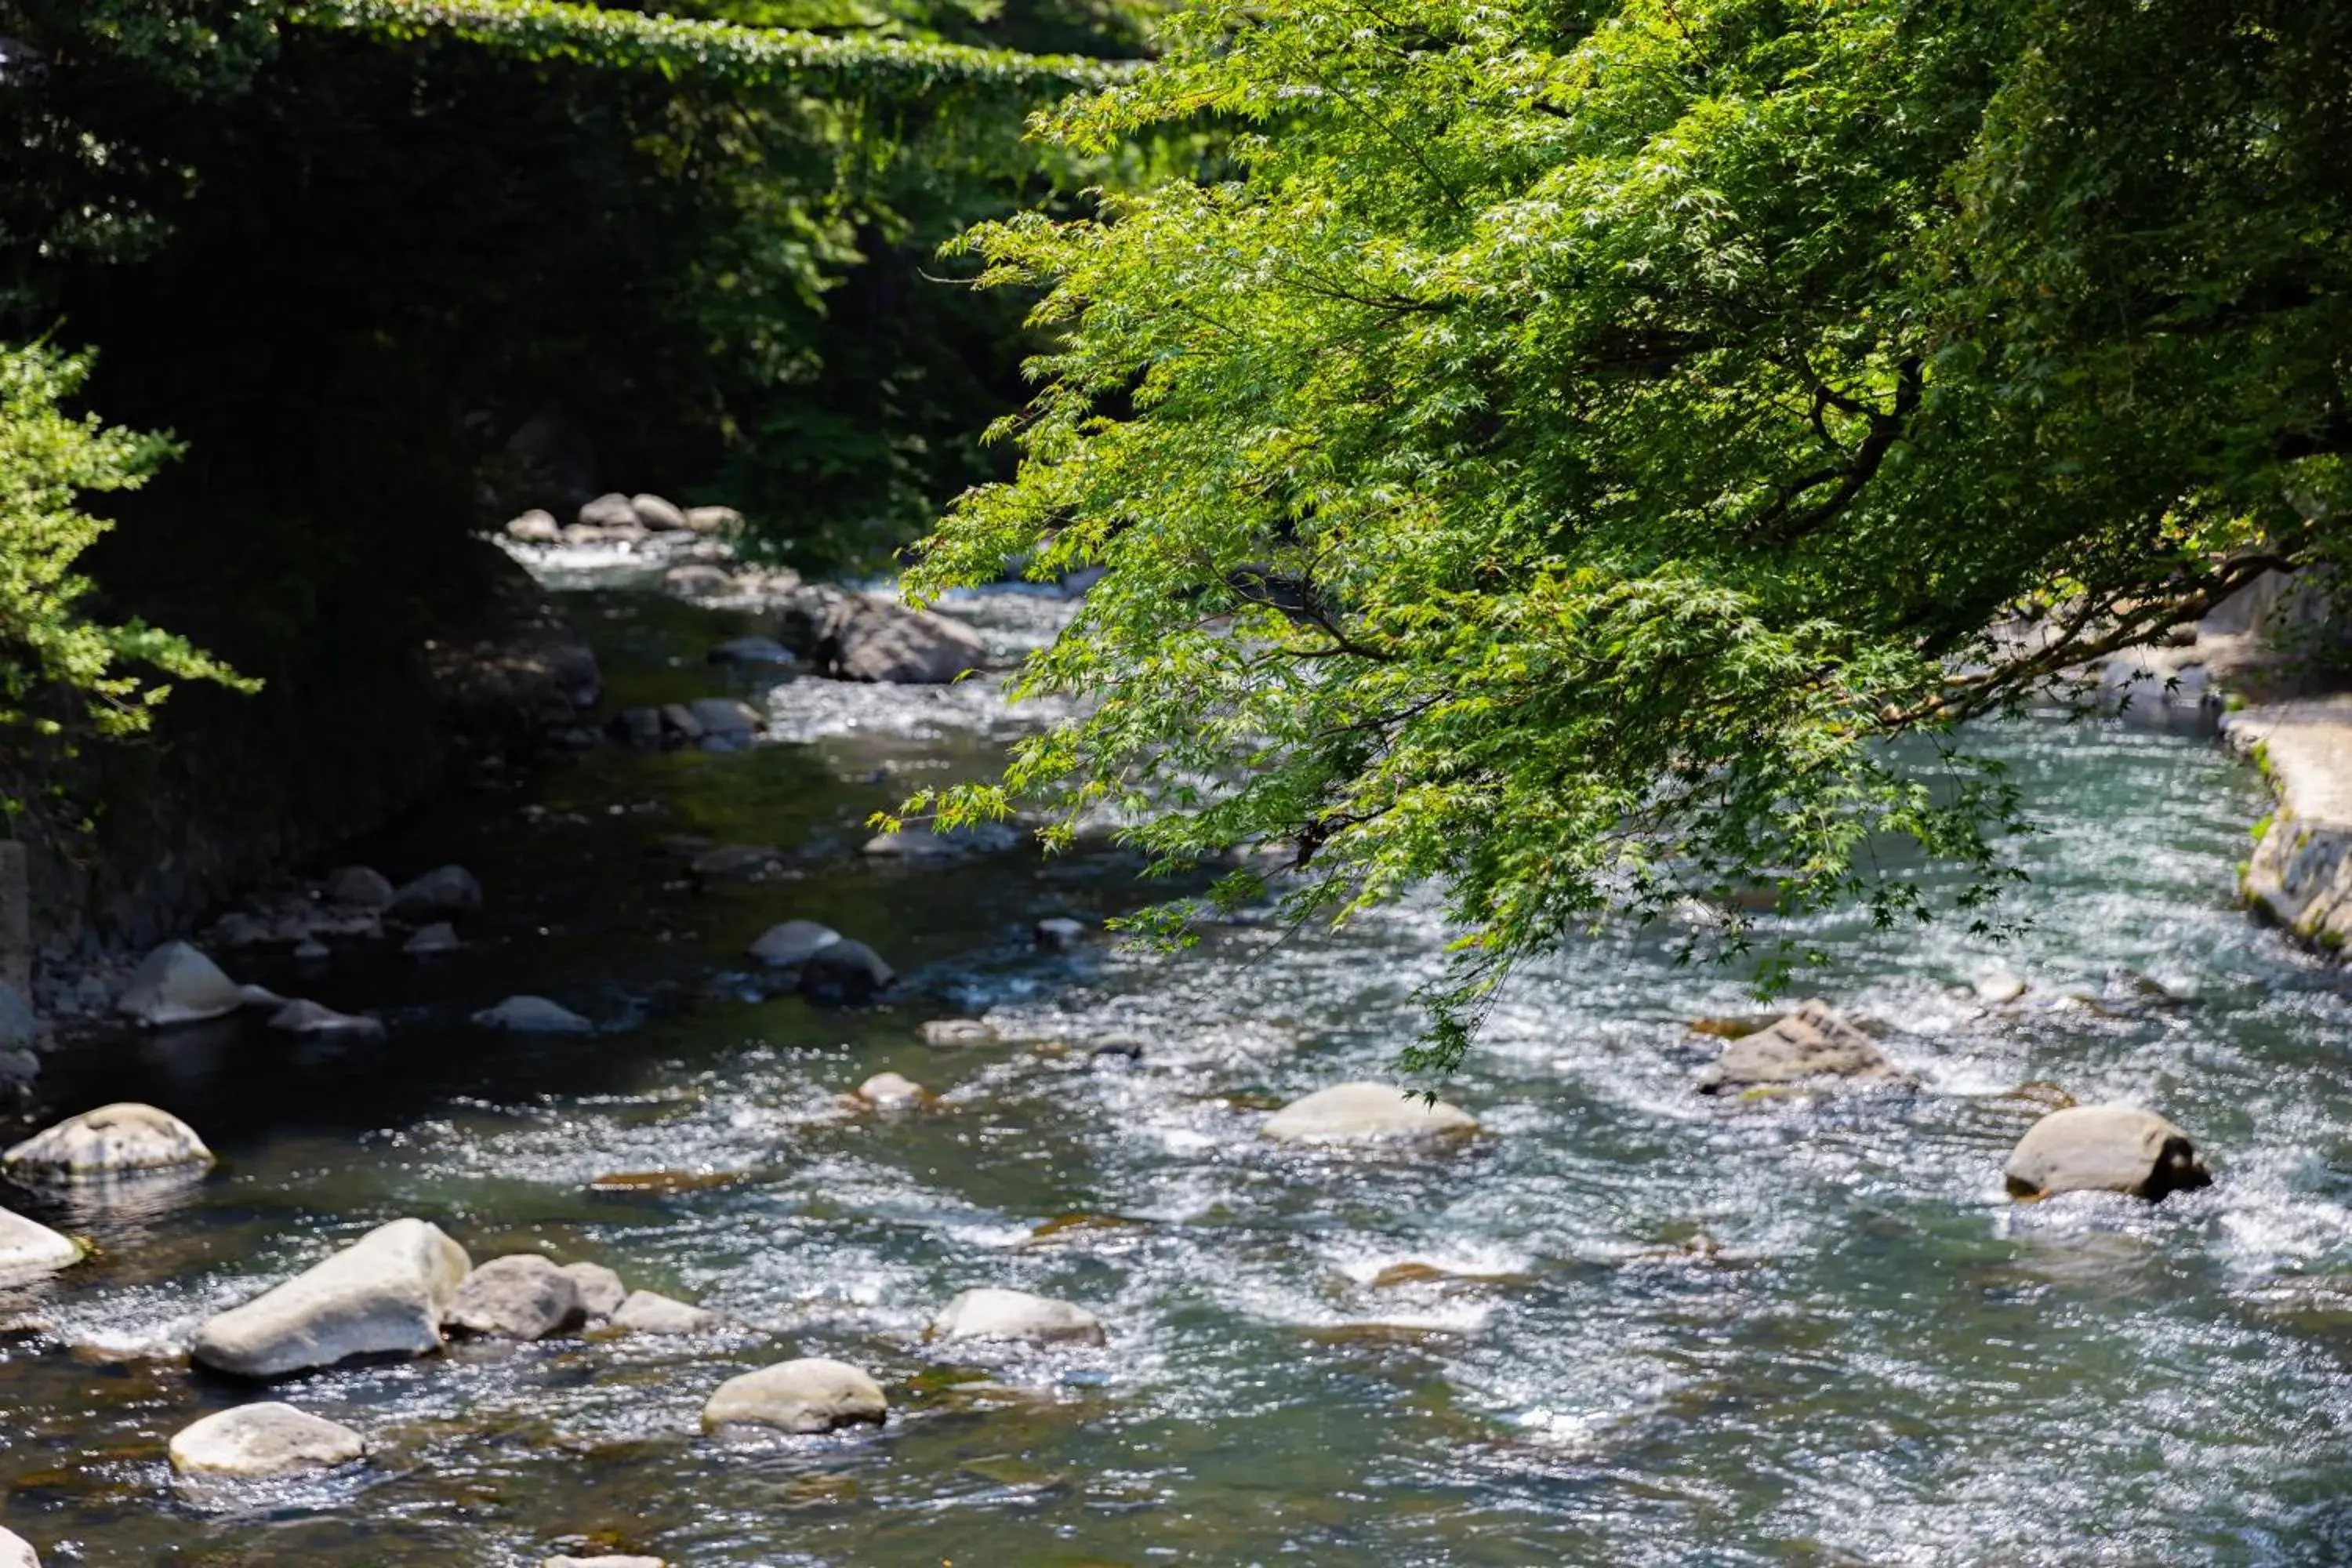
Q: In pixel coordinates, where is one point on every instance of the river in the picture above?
(1627, 1324)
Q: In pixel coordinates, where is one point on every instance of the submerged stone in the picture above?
(1814, 1041)
(533, 1015)
(990, 1313)
(948, 1033)
(2105, 1148)
(299, 1017)
(1366, 1112)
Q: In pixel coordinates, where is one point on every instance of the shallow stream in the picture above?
(1628, 1324)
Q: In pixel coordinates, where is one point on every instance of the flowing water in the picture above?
(1628, 1324)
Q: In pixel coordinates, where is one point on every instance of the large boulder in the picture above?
(256, 1442)
(994, 1315)
(29, 1250)
(2103, 1148)
(177, 985)
(600, 1291)
(609, 510)
(534, 527)
(519, 1297)
(358, 888)
(1814, 1041)
(653, 511)
(533, 1015)
(869, 638)
(844, 973)
(108, 1144)
(444, 890)
(811, 1395)
(384, 1295)
(793, 942)
(1366, 1112)
(16, 1552)
(646, 1313)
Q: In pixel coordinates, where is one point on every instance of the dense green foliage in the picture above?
(1582, 436)
(49, 646)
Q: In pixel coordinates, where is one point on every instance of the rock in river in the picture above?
(949, 1034)
(255, 1442)
(867, 638)
(108, 1144)
(433, 940)
(177, 985)
(533, 1015)
(654, 511)
(16, 1552)
(1365, 1112)
(2107, 1149)
(600, 1291)
(811, 1395)
(1059, 933)
(845, 972)
(522, 1295)
(890, 1092)
(444, 890)
(314, 1018)
(384, 1295)
(360, 888)
(534, 527)
(1814, 1041)
(646, 1313)
(29, 1248)
(994, 1315)
(610, 511)
(793, 942)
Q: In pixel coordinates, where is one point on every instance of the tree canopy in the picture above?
(1574, 441)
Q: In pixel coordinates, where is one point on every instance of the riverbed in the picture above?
(1626, 1324)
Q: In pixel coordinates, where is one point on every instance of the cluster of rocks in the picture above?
(2090, 1148)
(617, 518)
(823, 964)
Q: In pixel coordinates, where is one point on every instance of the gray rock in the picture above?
(444, 890)
(813, 1395)
(2103, 1148)
(994, 1315)
(845, 972)
(358, 888)
(652, 512)
(726, 716)
(867, 638)
(18, 1027)
(177, 985)
(312, 1019)
(256, 1442)
(924, 845)
(108, 1144)
(610, 511)
(1998, 985)
(698, 580)
(432, 940)
(29, 1250)
(713, 518)
(638, 727)
(1366, 1112)
(534, 527)
(600, 1291)
(16, 1552)
(737, 863)
(1060, 933)
(646, 1313)
(522, 1295)
(384, 1295)
(680, 720)
(533, 1015)
(950, 1034)
(890, 1092)
(793, 942)
(1814, 1041)
(751, 650)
